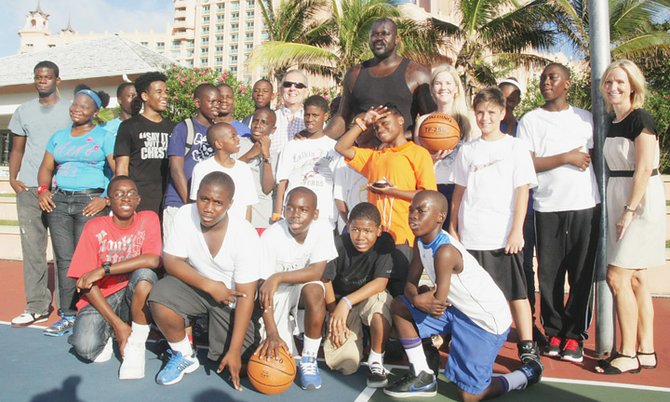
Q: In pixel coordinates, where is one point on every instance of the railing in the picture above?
(5, 138)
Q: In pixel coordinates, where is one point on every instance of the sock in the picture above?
(375, 357)
(515, 380)
(311, 346)
(140, 333)
(183, 347)
(416, 355)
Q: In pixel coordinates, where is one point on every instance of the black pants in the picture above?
(566, 243)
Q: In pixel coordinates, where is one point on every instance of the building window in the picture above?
(219, 38)
(205, 30)
(234, 27)
(219, 49)
(204, 60)
(189, 63)
(220, 17)
(160, 45)
(204, 50)
(205, 8)
(233, 69)
(50, 45)
(221, 6)
(142, 43)
(205, 41)
(234, 37)
(205, 19)
(250, 14)
(233, 48)
(232, 59)
(219, 29)
(219, 60)
(235, 16)
(249, 36)
(235, 5)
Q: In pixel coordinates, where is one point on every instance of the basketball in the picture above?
(439, 132)
(272, 376)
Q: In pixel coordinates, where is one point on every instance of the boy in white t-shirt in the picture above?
(212, 269)
(567, 211)
(309, 162)
(492, 175)
(295, 252)
(225, 141)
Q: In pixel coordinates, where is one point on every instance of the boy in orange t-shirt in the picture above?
(395, 173)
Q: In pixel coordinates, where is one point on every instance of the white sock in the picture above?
(417, 358)
(140, 332)
(515, 380)
(375, 357)
(183, 347)
(311, 346)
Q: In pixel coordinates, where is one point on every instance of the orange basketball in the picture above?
(439, 132)
(272, 376)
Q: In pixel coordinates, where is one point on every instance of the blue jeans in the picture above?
(91, 331)
(66, 223)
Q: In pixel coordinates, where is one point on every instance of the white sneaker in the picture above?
(132, 366)
(27, 318)
(106, 353)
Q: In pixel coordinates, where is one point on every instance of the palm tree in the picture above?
(493, 36)
(341, 40)
(633, 34)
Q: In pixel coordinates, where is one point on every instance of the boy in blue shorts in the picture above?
(470, 307)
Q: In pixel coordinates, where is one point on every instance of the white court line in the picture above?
(605, 384)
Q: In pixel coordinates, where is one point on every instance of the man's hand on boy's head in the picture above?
(427, 303)
(266, 293)
(86, 281)
(269, 348)
(221, 294)
(234, 363)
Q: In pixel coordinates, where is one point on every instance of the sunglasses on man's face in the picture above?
(289, 84)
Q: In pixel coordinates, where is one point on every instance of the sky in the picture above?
(86, 16)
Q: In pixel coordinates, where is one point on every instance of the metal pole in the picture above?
(600, 58)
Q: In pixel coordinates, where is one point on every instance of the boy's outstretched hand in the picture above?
(269, 347)
(220, 292)
(427, 303)
(234, 363)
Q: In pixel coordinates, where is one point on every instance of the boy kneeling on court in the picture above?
(295, 252)
(212, 268)
(113, 265)
(465, 303)
(356, 295)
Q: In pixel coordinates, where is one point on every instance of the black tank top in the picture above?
(371, 91)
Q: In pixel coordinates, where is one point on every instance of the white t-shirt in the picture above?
(245, 191)
(282, 253)
(237, 260)
(261, 212)
(565, 188)
(349, 186)
(490, 171)
(311, 163)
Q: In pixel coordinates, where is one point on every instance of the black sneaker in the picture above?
(527, 351)
(553, 348)
(572, 351)
(413, 386)
(533, 371)
(377, 376)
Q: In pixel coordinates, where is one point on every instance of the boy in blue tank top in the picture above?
(464, 302)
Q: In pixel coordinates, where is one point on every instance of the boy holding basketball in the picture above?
(492, 175)
(464, 302)
(212, 269)
(295, 253)
(395, 174)
(356, 295)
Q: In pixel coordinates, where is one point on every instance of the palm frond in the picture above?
(274, 54)
(652, 46)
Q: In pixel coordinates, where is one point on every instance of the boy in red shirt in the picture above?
(113, 265)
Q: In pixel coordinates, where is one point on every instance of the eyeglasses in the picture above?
(289, 84)
(125, 194)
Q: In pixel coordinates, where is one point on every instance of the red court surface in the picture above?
(13, 303)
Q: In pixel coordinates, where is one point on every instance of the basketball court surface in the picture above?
(37, 368)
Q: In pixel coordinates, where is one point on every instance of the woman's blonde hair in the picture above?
(636, 78)
(459, 108)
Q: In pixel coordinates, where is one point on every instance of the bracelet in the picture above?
(41, 189)
(348, 302)
(276, 216)
(361, 124)
(626, 208)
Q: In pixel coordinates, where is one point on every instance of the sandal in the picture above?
(646, 358)
(606, 367)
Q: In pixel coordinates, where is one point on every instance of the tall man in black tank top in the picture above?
(387, 77)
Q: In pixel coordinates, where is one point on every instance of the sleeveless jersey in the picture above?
(371, 91)
(472, 291)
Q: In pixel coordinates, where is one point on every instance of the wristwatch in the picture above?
(107, 266)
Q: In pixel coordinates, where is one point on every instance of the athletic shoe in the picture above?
(527, 350)
(413, 386)
(377, 376)
(533, 371)
(572, 351)
(310, 377)
(27, 318)
(176, 367)
(61, 327)
(106, 353)
(132, 366)
(553, 348)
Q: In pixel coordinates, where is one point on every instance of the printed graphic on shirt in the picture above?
(154, 146)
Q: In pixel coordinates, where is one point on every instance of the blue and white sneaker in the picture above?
(61, 327)
(310, 377)
(533, 371)
(176, 367)
(413, 385)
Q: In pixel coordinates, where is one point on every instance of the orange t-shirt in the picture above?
(408, 167)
